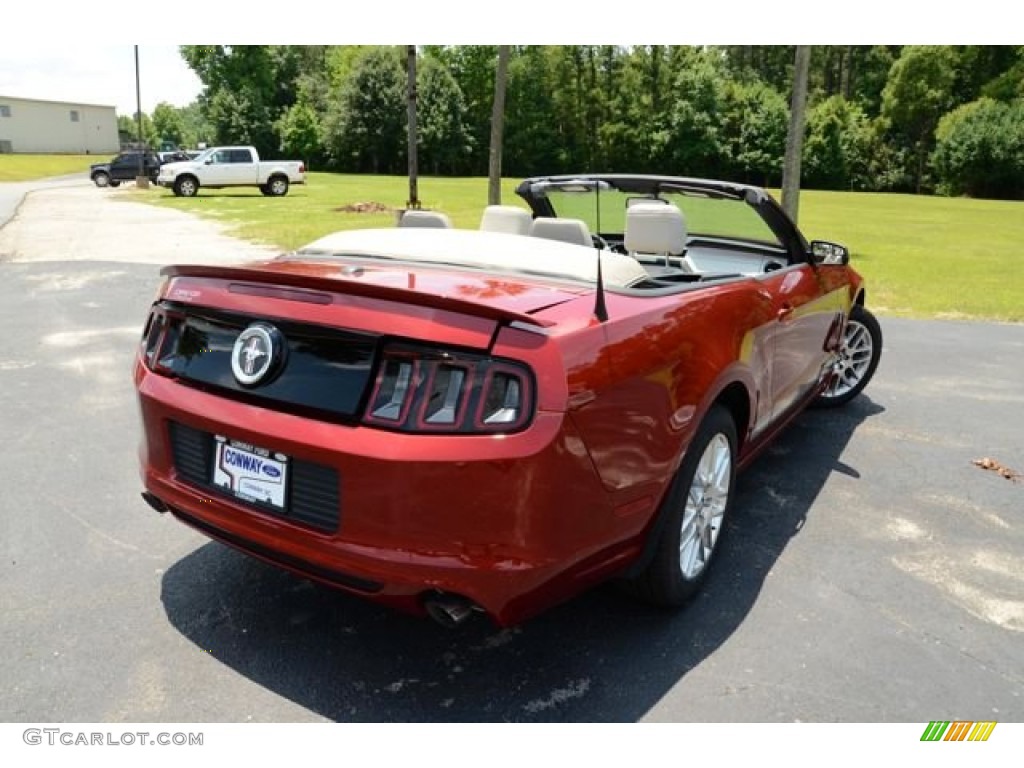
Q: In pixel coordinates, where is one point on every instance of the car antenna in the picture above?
(600, 309)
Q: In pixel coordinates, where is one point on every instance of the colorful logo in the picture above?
(960, 730)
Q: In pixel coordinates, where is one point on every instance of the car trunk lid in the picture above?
(330, 322)
(326, 283)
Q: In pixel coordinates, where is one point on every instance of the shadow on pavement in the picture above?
(230, 192)
(600, 657)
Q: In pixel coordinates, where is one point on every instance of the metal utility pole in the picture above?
(413, 202)
(795, 136)
(141, 180)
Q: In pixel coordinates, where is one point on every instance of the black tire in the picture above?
(694, 513)
(264, 190)
(101, 179)
(186, 186)
(859, 354)
(115, 183)
(278, 186)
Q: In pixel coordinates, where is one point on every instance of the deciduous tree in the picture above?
(168, 124)
(917, 93)
(695, 145)
(365, 130)
(980, 149)
(837, 150)
(247, 88)
(754, 119)
(299, 129)
(445, 141)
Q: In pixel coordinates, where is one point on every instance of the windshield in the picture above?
(705, 214)
(202, 156)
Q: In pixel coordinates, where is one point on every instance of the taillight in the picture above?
(421, 389)
(502, 397)
(151, 336)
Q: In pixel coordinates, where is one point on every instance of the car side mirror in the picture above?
(829, 254)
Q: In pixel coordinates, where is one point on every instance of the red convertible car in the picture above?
(452, 420)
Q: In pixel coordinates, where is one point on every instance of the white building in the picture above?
(56, 127)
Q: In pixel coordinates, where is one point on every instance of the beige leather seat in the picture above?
(572, 231)
(506, 218)
(655, 229)
(428, 219)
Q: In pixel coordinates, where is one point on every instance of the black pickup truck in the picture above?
(124, 167)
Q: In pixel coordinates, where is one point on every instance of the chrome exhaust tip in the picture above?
(450, 611)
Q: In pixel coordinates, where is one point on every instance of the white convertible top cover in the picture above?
(483, 250)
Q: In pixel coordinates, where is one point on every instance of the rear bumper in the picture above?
(513, 523)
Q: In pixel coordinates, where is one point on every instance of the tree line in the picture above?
(947, 119)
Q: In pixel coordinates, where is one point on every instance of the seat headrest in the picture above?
(506, 218)
(655, 228)
(429, 219)
(572, 231)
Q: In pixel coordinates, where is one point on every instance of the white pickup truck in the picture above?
(220, 167)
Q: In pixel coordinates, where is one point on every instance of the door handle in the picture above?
(785, 313)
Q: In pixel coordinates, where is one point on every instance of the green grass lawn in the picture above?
(29, 167)
(928, 256)
(921, 256)
(318, 207)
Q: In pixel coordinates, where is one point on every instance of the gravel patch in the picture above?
(90, 224)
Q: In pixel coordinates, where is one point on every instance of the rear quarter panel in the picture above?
(640, 384)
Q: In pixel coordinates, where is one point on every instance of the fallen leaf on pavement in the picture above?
(1001, 469)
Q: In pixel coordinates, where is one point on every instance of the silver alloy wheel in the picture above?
(854, 359)
(705, 507)
(101, 179)
(187, 187)
(278, 186)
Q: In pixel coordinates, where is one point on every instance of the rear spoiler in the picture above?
(271, 273)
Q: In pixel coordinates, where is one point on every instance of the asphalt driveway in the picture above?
(872, 571)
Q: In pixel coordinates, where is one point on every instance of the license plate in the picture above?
(250, 473)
